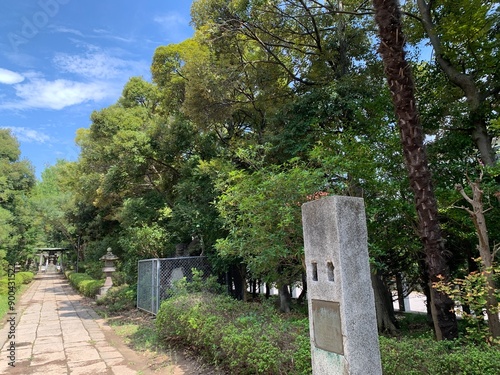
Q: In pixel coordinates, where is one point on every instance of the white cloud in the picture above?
(66, 30)
(9, 77)
(174, 25)
(102, 33)
(171, 20)
(98, 65)
(95, 75)
(93, 65)
(28, 135)
(58, 94)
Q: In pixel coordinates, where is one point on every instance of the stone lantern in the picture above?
(109, 267)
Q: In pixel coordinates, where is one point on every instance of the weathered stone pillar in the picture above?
(342, 318)
(109, 267)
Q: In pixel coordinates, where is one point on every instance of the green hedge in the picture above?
(250, 338)
(84, 284)
(27, 276)
(241, 337)
(19, 279)
(424, 355)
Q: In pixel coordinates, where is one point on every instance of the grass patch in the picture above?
(140, 337)
(136, 328)
(4, 306)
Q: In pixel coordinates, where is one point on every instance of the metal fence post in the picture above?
(153, 288)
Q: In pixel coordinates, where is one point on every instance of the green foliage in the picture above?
(50, 202)
(198, 284)
(262, 214)
(119, 298)
(4, 289)
(26, 276)
(4, 296)
(20, 278)
(17, 234)
(244, 338)
(4, 282)
(424, 355)
(84, 283)
(472, 291)
(252, 339)
(240, 126)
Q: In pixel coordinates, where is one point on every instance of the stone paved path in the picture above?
(57, 334)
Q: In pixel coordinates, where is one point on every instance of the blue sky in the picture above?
(62, 59)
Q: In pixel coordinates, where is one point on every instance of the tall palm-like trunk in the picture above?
(401, 85)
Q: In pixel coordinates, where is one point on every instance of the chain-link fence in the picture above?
(157, 276)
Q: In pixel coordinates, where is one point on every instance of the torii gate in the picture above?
(51, 254)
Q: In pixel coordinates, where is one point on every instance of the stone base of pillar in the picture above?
(102, 292)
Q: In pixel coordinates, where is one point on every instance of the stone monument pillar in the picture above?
(342, 318)
(109, 267)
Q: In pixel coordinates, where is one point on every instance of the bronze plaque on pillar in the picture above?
(327, 326)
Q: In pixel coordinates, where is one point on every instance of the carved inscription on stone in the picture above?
(327, 326)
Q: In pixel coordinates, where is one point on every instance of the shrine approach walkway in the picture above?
(56, 333)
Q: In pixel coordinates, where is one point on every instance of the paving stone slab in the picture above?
(45, 358)
(56, 334)
(122, 370)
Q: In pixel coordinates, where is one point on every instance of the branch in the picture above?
(414, 16)
(496, 249)
(463, 81)
(275, 57)
(461, 190)
(494, 91)
(469, 211)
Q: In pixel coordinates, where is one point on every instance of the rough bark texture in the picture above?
(400, 81)
(386, 321)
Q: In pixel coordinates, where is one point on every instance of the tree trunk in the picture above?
(477, 215)
(237, 278)
(386, 321)
(303, 293)
(466, 83)
(401, 86)
(285, 298)
(401, 292)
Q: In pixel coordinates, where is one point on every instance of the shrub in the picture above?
(119, 298)
(472, 291)
(4, 289)
(90, 288)
(19, 279)
(84, 284)
(26, 276)
(119, 278)
(242, 337)
(250, 338)
(198, 283)
(424, 355)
